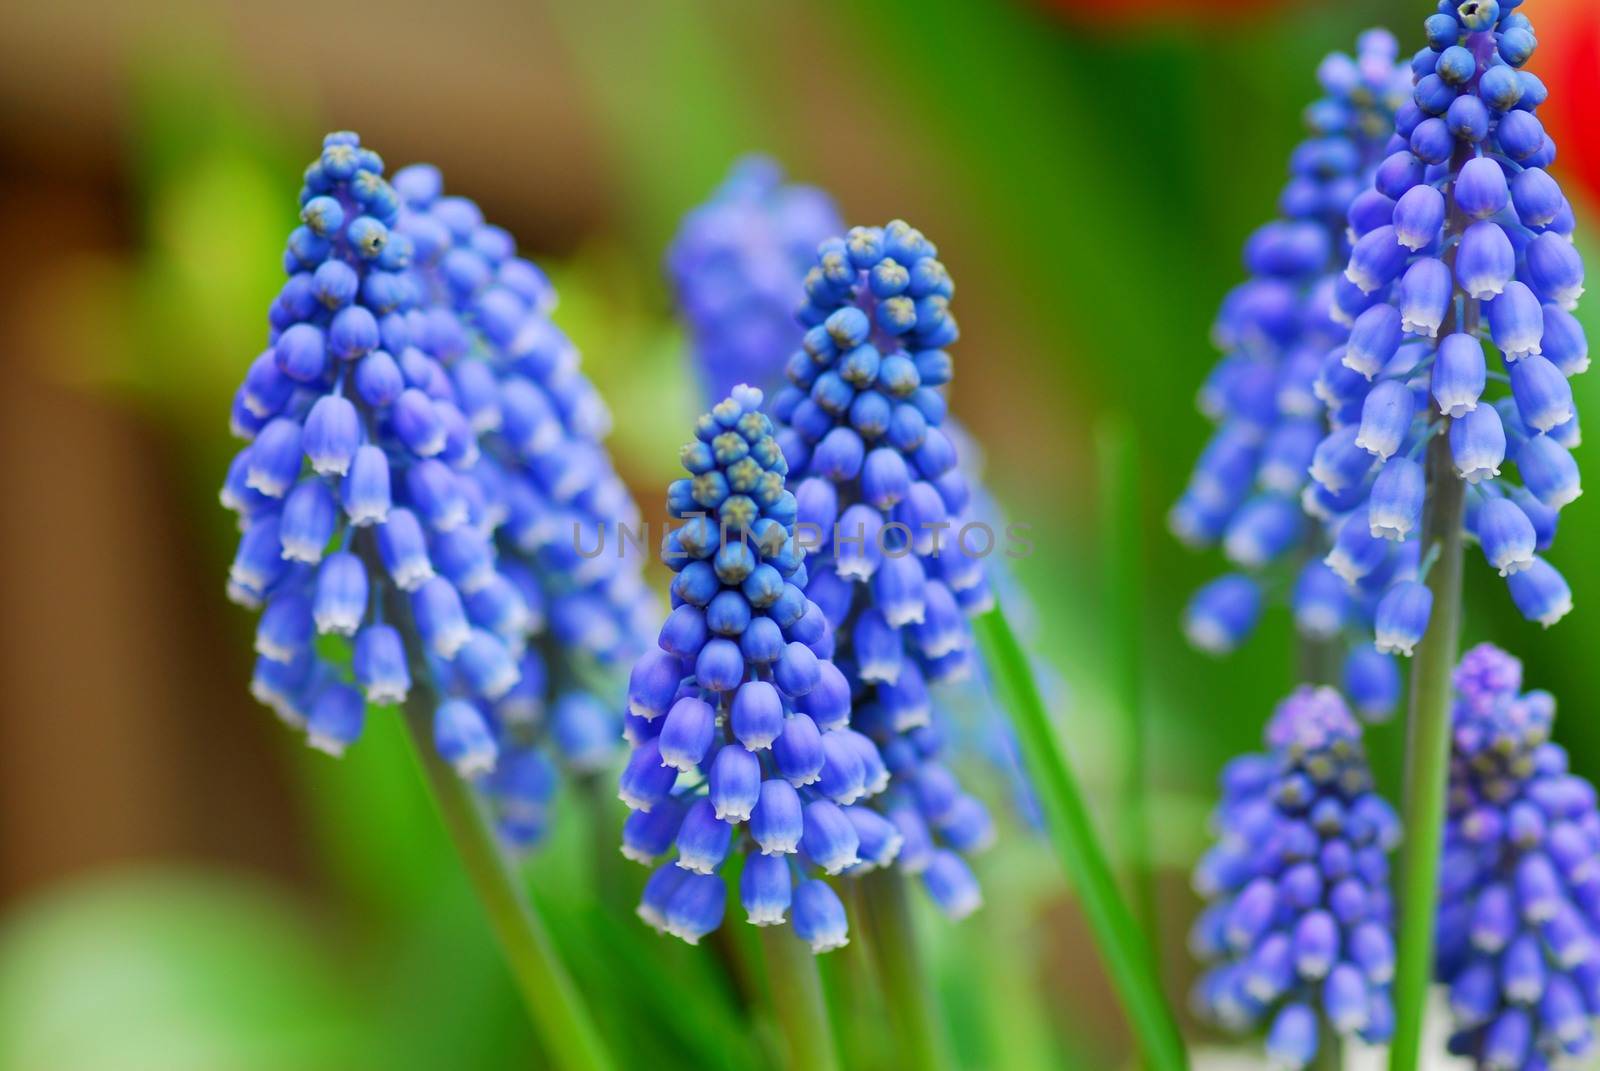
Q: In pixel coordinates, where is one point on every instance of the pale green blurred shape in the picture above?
(178, 971)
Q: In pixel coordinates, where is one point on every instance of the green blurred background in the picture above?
(182, 885)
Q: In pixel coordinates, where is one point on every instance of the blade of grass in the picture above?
(1122, 600)
(1122, 946)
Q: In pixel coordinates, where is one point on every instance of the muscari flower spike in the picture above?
(1467, 245)
(1298, 929)
(1273, 331)
(899, 562)
(370, 506)
(740, 720)
(1520, 880)
(548, 488)
(736, 265)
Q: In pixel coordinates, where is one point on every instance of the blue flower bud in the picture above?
(1398, 172)
(1516, 321)
(1417, 216)
(1402, 617)
(829, 840)
(1478, 444)
(819, 917)
(1222, 614)
(1376, 335)
(1264, 529)
(462, 738)
(1480, 188)
(775, 821)
(1385, 419)
(1520, 134)
(696, 907)
(1540, 593)
(1468, 119)
(687, 733)
(1499, 88)
(1320, 601)
(1549, 471)
(1543, 396)
(1376, 259)
(284, 632)
(798, 750)
(1554, 269)
(379, 663)
(1485, 260)
(274, 458)
(905, 699)
(765, 890)
(1564, 342)
(1536, 196)
(1395, 505)
(735, 784)
(378, 379)
(308, 521)
(337, 715)
(1292, 1041)
(1425, 292)
(1356, 552)
(1372, 681)
(646, 779)
(647, 835)
(301, 353)
(436, 607)
(951, 884)
(703, 840)
(341, 594)
(797, 672)
(404, 550)
(485, 666)
(1459, 374)
(365, 491)
(1507, 535)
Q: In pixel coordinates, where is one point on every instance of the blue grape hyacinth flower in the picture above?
(1465, 254)
(899, 556)
(739, 719)
(1520, 885)
(546, 484)
(736, 266)
(372, 505)
(1297, 930)
(1273, 330)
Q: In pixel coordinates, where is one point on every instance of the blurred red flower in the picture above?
(1568, 60)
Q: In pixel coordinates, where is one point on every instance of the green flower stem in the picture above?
(563, 1024)
(1121, 602)
(794, 988)
(1427, 768)
(918, 1029)
(1330, 1051)
(1121, 944)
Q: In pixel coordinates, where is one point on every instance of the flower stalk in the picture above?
(555, 1007)
(919, 1031)
(799, 1009)
(1427, 765)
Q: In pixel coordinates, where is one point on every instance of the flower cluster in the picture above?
(740, 721)
(1274, 330)
(372, 502)
(1299, 920)
(1519, 887)
(1463, 240)
(736, 265)
(547, 485)
(897, 567)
